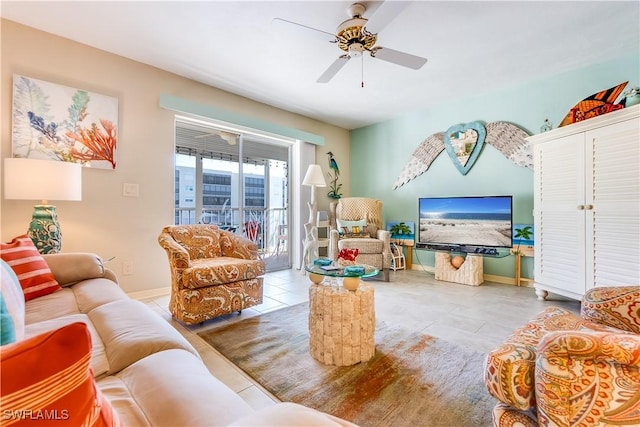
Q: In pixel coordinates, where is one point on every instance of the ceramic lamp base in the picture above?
(44, 229)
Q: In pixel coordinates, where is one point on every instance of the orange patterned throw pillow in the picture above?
(61, 391)
(32, 270)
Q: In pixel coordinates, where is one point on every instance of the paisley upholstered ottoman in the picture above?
(561, 369)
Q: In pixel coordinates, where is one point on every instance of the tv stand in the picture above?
(466, 250)
(469, 273)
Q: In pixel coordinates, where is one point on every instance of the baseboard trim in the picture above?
(525, 283)
(150, 293)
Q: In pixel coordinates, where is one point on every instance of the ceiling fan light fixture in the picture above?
(353, 38)
(355, 34)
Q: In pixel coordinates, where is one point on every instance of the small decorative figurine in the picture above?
(632, 97)
(335, 187)
(546, 126)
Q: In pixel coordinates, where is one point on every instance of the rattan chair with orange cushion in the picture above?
(213, 272)
(561, 369)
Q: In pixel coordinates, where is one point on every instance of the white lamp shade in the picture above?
(32, 179)
(314, 176)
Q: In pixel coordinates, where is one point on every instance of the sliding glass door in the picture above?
(238, 181)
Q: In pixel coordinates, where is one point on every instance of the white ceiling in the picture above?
(472, 47)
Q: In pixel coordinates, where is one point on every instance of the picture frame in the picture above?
(57, 122)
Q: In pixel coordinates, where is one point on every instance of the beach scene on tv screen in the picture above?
(473, 221)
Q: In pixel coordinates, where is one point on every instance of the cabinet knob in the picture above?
(580, 207)
(589, 207)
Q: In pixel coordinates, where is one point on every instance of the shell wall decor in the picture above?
(507, 138)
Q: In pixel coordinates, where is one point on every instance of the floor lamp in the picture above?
(313, 178)
(31, 179)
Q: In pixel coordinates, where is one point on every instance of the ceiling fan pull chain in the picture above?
(361, 70)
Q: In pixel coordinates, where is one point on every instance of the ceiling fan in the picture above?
(358, 35)
(231, 138)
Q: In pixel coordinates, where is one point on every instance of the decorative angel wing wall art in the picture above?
(507, 138)
(421, 159)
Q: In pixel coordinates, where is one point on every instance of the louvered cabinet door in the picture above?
(587, 204)
(559, 216)
(613, 202)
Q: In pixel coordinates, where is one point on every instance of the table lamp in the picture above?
(314, 178)
(32, 179)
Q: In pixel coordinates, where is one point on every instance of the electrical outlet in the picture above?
(127, 268)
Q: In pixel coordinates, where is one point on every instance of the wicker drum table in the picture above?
(341, 324)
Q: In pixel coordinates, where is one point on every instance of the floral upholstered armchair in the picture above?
(561, 369)
(213, 272)
(364, 215)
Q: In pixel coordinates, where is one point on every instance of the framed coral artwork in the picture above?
(56, 122)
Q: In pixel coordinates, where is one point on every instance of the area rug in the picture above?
(412, 380)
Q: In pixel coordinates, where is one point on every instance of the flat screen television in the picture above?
(465, 223)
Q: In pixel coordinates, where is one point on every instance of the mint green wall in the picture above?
(380, 151)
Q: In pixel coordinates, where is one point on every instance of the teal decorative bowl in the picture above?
(354, 270)
(322, 261)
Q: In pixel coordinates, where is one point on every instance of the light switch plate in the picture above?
(130, 190)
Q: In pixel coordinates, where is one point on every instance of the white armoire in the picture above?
(587, 204)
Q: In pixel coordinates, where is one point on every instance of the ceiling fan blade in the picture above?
(384, 14)
(397, 57)
(333, 69)
(309, 31)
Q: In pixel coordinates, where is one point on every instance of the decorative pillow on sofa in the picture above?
(7, 330)
(352, 228)
(12, 316)
(32, 270)
(60, 390)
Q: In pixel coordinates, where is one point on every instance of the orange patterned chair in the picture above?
(564, 370)
(213, 272)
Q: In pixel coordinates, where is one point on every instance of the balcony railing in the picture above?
(266, 227)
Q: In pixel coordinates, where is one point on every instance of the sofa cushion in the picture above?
(66, 393)
(33, 272)
(172, 388)
(130, 331)
(290, 414)
(510, 368)
(51, 306)
(588, 378)
(618, 307)
(99, 362)
(79, 298)
(364, 246)
(203, 242)
(72, 267)
(219, 271)
(12, 327)
(92, 293)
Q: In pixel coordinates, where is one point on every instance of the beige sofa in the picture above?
(148, 371)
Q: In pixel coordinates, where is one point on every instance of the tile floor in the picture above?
(478, 317)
